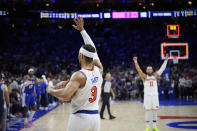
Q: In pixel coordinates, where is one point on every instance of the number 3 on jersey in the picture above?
(151, 83)
(94, 94)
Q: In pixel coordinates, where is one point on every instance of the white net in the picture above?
(175, 60)
(175, 37)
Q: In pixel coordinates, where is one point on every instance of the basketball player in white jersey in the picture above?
(151, 99)
(84, 87)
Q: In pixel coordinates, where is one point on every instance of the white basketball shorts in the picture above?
(151, 102)
(84, 122)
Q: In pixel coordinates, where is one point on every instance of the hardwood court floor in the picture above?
(130, 117)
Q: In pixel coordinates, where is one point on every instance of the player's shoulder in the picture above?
(78, 75)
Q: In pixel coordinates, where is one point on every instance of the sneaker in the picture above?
(12, 116)
(54, 104)
(27, 125)
(31, 123)
(147, 128)
(155, 129)
(101, 117)
(112, 117)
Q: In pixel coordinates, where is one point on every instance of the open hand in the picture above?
(79, 24)
(166, 57)
(135, 59)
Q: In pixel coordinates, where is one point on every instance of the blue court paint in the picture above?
(183, 102)
(178, 102)
(183, 125)
(17, 123)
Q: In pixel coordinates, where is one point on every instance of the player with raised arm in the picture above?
(151, 99)
(84, 87)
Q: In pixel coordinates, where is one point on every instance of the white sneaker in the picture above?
(12, 116)
(46, 108)
(54, 104)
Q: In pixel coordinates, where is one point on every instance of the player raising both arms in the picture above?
(84, 87)
(151, 99)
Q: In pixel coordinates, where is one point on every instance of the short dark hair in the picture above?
(89, 48)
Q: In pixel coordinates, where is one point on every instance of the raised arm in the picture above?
(140, 72)
(87, 40)
(77, 80)
(162, 68)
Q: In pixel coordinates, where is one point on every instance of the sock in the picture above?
(147, 124)
(25, 120)
(31, 115)
(154, 118)
(148, 118)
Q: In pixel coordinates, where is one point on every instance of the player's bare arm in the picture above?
(77, 81)
(162, 68)
(87, 40)
(99, 65)
(140, 72)
(60, 85)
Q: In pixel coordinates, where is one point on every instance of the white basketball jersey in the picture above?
(87, 98)
(150, 85)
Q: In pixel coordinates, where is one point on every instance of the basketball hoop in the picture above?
(175, 60)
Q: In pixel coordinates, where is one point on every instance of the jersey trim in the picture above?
(83, 74)
(90, 69)
(150, 79)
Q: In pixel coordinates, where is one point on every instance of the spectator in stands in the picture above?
(4, 103)
(176, 83)
(14, 84)
(166, 85)
(51, 98)
(141, 88)
(182, 86)
(124, 93)
(194, 85)
(38, 95)
(44, 96)
(135, 91)
(188, 87)
(16, 107)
